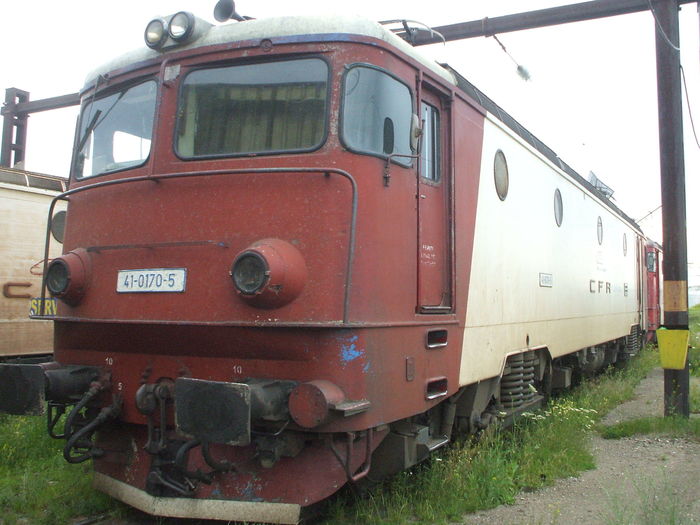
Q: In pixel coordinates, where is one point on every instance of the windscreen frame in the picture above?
(323, 137)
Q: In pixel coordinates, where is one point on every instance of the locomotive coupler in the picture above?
(211, 413)
(152, 398)
(271, 447)
(168, 475)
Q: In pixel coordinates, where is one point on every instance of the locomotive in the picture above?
(298, 254)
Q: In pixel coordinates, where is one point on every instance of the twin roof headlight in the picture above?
(180, 28)
(155, 33)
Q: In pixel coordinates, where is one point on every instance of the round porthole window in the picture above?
(600, 230)
(58, 225)
(558, 207)
(500, 174)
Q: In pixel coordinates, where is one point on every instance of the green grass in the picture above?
(694, 354)
(694, 357)
(668, 426)
(483, 474)
(37, 486)
(694, 361)
(612, 388)
(471, 476)
(694, 398)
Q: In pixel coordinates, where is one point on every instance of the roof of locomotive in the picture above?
(335, 28)
(304, 28)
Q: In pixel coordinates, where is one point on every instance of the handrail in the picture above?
(212, 173)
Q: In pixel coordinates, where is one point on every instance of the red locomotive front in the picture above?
(251, 289)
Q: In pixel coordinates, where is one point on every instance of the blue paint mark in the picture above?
(249, 491)
(350, 352)
(366, 368)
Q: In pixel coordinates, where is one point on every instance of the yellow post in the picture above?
(673, 348)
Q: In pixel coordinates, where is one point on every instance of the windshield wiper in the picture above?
(89, 129)
(94, 122)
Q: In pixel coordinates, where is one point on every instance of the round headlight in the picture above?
(181, 26)
(57, 277)
(269, 273)
(67, 276)
(155, 33)
(249, 273)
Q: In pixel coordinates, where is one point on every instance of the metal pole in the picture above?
(14, 128)
(15, 114)
(675, 267)
(564, 14)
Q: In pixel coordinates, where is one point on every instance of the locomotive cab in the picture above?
(235, 270)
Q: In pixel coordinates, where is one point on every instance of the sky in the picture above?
(591, 97)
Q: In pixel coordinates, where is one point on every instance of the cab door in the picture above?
(434, 206)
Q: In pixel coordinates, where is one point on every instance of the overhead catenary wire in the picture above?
(690, 112)
(648, 214)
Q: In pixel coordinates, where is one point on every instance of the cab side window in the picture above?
(430, 146)
(651, 261)
(376, 118)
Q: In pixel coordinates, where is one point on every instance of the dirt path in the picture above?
(639, 480)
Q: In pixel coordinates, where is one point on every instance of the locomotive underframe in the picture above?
(174, 465)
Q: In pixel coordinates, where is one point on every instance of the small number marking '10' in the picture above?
(109, 361)
(237, 369)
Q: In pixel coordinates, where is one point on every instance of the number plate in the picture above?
(152, 280)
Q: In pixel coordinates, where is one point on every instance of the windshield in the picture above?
(114, 132)
(253, 108)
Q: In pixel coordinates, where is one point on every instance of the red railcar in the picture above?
(296, 253)
(654, 310)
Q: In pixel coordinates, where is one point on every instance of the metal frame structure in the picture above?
(15, 112)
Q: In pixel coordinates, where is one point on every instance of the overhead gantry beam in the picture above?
(532, 19)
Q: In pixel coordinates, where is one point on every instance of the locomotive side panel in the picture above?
(468, 154)
(536, 283)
